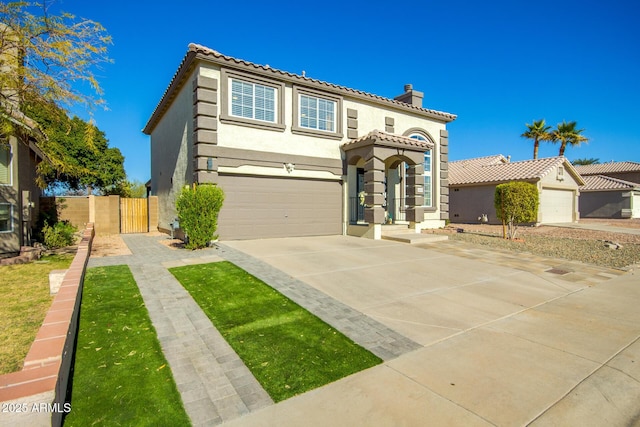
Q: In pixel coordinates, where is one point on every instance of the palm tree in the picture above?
(585, 161)
(538, 131)
(567, 134)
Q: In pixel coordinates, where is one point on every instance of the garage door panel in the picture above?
(260, 207)
(556, 206)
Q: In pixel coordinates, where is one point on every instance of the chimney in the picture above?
(410, 96)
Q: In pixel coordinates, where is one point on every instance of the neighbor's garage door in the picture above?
(556, 206)
(259, 207)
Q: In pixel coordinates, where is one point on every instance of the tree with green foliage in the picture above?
(134, 189)
(516, 203)
(585, 161)
(81, 165)
(567, 134)
(49, 60)
(538, 131)
(43, 56)
(198, 209)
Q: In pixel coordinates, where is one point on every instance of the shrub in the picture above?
(516, 203)
(198, 209)
(60, 235)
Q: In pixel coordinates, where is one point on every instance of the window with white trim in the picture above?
(253, 101)
(6, 224)
(5, 164)
(428, 187)
(317, 113)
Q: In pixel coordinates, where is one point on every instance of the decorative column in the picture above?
(444, 174)
(205, 127)
(374, 189)
(415, 193)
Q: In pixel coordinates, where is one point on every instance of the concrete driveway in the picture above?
(501, 345)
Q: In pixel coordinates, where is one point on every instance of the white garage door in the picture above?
(635, 207)
(556, 206)
(261, 207)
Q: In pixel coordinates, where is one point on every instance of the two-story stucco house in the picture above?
(296, 156)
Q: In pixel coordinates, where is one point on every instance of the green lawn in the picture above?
(121, 376)
(286, 348)
(24, 290)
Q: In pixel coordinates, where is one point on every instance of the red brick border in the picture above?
(47, 367)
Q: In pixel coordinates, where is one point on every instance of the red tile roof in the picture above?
(605, 168)
(603, 183)
(390, 138)
(213, 55)
(496, 169)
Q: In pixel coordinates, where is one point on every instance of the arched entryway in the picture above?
(385, 178)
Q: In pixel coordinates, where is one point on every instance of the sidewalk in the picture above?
(597, 227)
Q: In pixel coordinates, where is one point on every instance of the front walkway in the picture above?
(214, 383)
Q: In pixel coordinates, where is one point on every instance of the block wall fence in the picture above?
(102, 211)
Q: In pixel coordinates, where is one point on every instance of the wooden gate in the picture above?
(134, 215)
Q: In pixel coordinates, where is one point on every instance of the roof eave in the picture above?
(197, 52)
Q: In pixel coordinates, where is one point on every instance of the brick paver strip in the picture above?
(214, 383)
(365, 331)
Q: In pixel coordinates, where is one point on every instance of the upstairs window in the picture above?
(5, 164)
(253, 101)
(317, 113)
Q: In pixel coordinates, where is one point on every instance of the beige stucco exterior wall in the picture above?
(370, 117)
(172, 154)
(467, 204)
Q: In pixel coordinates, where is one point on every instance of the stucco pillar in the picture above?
(444, 175)
(374, 189)
(415, 193)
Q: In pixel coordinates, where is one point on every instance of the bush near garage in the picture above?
(516, 203)
(198, 209)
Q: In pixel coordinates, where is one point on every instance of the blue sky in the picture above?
(496, 65)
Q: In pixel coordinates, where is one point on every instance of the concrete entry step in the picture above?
(414, 238)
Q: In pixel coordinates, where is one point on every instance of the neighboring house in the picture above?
(606, 197)
(296, 156)
(626, 171)
(612, 190)
(19, 194)
(472, 185)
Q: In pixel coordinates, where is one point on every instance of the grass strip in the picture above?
(287, 349)
(120, 376)
(25, 302)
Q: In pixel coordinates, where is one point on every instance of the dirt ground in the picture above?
(569, 233)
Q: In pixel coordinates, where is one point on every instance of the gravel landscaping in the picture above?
(586, 246)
